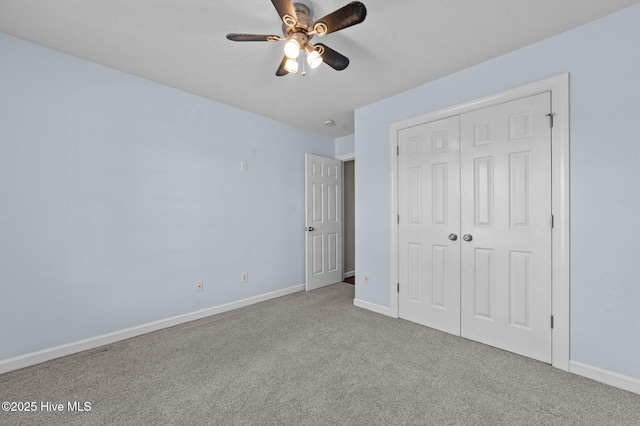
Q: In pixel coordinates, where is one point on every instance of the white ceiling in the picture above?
(401, 44)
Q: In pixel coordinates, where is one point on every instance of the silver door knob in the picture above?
(467, 237)
(310, 228)
(453, 237)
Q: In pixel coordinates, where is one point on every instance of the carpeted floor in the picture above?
(310, 359)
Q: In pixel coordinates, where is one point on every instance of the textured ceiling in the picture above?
(400, 45)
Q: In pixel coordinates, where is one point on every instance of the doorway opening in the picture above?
(349, 233)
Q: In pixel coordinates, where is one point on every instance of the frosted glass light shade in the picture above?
(291, 65)
(292, 49)
(314, 59)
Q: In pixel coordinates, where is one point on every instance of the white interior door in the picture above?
(429, 210)
(323, 196)
(506, 209)
(485, 177)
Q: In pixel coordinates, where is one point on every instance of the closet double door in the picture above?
(474, 195)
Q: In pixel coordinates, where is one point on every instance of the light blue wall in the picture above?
(603, 60)
(117, 194)
(345, 145)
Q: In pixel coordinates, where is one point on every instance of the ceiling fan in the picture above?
(298, 29)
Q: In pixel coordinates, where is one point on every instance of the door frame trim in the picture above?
(559, 88)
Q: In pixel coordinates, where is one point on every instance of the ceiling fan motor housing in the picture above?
(304, 21)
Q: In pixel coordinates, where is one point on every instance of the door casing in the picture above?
(559, 88)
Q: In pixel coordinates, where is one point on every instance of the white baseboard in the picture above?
(349, 274)
(33, 358)
(609, 377)
(372, 307)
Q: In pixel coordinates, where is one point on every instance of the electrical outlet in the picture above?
(199, 285)
(243, 166)
(244, 277)
(367, 280)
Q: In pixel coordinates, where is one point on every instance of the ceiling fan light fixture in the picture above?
(291, 65)
(292, 49)
(299, 27)
(313, 56)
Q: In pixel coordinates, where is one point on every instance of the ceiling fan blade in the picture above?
(346, 16)
(252, 37)
(281, 71)
(287, 11)
(332, 58)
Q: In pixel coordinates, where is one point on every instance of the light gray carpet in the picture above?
(310, 359)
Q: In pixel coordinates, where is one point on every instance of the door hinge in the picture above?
(551, 321)
(553, 221)
(398, 219)
(398, 287)
(550, 115)
(397, 149)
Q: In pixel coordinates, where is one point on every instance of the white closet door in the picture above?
(323, 221)
(429, 209)
(506, 209)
